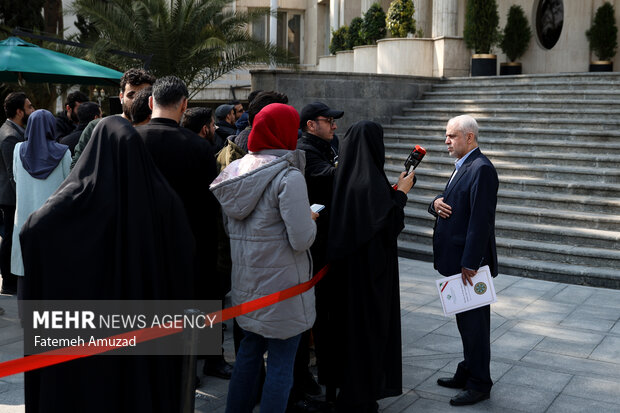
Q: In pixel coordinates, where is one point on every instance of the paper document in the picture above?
(456, 297)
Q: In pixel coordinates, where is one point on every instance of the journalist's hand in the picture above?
(405, 182)
(314, 215)
(443, 210)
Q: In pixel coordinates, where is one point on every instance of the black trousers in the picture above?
(9, 280)
(475, 328)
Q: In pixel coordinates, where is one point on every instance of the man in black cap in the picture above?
(317, 122)
(225, 124)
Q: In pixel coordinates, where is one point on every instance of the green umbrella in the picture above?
(20, 60)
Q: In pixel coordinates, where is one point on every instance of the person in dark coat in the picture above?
(17, 108)
(114, 230)
(364, 359)
(317, 122)
(188, 163)
(463, 241)
(67, 120)
(87, 111)
(225, 125)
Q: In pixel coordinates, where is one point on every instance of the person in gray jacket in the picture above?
(267, 215)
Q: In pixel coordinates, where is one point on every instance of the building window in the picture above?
(289, 33)
(549, 22)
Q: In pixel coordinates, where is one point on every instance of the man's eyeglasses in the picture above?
(331, 121)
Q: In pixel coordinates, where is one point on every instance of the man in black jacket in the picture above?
(225, 125)
(67, 120)
(17, 108)
(188, 164)
(317, 122)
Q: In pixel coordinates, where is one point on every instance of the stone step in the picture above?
(527, 155)
(542, 200)
(568, 135)
(557, 253)
(507, 167)
(530, 145)
(467, 104)
(550, 214)
(528, 113)
(515, 122)
(556, 238)
(532, 93)
(511, 85)
(533, 80)
(538, 269)
(508, 179)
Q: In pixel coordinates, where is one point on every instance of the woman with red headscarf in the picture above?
(271, 228)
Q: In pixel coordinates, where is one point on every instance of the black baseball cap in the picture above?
(313, 110)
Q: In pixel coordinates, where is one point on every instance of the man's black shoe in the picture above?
(450, 383)
(310, 386)
(221, 369)
(467, 397)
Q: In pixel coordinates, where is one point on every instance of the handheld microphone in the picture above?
(413, 160)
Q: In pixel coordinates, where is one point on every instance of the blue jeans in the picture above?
(243, 387)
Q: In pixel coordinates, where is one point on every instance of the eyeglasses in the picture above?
(331, 121)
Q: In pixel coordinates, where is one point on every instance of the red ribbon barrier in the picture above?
(49, 358)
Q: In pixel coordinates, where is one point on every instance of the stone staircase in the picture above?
(555, 142)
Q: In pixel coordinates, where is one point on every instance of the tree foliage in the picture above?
(481, 31)
(373, 26)
(354, 37)
(14, 13)
(603, 34)
(196, 40)
(340, 40)
(400, 21)
(517, 34)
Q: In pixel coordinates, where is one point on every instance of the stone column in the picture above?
(423, 16)
(445, 18)
(334, 16)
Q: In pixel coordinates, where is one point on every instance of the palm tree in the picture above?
(196, 40)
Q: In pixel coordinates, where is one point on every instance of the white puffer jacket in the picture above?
(267, 214)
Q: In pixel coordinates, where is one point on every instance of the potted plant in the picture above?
(399, 20)
(355, 33)
(373, 26)
(339, 40)
(602, 36)
(481, 33)
(514, 40)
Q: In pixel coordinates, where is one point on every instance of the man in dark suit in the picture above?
(188, 164)
(463, 241)
(17, 108)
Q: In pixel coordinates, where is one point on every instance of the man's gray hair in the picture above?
(466, 124)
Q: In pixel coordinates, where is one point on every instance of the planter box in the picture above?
(327, 64)
(405, 57)
(484, 65)
(344, 61)
(602, 66)
(451, 57)
(365, 59)
(510, 68)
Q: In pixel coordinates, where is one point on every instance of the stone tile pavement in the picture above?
(555, 348)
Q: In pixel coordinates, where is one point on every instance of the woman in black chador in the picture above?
(114, 230)
(364, 321)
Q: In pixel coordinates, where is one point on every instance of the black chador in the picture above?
(364, 320)
(114, 230)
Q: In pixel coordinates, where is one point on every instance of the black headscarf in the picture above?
(113, 230)
(41, 154)
(362, 194)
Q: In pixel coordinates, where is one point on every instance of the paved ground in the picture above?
(555, 348)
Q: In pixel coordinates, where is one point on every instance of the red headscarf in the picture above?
(274, 127)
